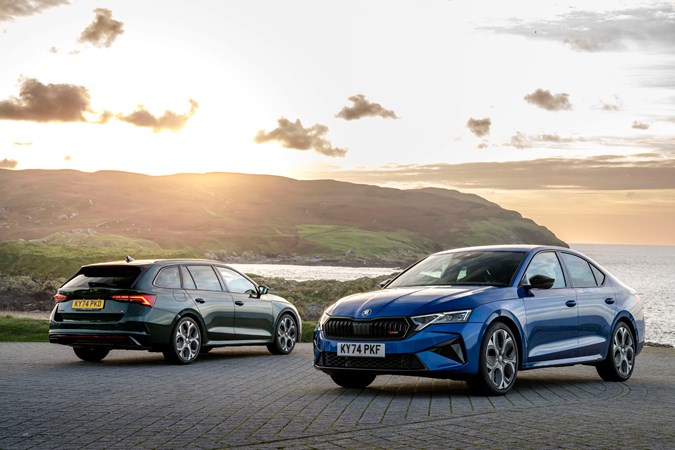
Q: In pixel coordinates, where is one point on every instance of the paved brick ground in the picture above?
(247, 398)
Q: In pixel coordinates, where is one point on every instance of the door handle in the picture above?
(239, 303)
(571, 303)
(200, 300)
(609, 301)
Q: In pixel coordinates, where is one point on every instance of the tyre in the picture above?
(498, 362)
(285, 336)
(355, 380)
(185, 342)
(620, 360)
(91, 354)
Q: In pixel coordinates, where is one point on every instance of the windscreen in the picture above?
(475, 268)
(120, 277)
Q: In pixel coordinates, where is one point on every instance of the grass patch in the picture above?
(307, 330)
(338, 240)
(20, 329)
(42, 261)
(499, 231)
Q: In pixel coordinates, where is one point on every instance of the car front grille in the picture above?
(379, 329)
(389, 362)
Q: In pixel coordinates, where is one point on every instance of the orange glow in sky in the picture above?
(561, 111)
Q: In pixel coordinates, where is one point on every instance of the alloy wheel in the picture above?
(501, 359)
(623, 350)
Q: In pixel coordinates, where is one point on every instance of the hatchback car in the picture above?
(481, 314)
(179, 307)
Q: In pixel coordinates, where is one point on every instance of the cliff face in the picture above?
(235, 213)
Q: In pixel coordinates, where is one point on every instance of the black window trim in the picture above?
(590, 265)
(566, 276)
(160, 270)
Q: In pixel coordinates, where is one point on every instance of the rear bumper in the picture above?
(106, 339)
(144, 332)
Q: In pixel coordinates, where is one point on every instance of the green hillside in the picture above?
(66, 218)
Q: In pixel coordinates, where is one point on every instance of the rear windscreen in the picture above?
(121, 277)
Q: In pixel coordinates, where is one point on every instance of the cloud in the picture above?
(11, 9)
(168, 121)
(8, 163)
(649, 27)
(47, 103)
(363, 108)
(606, 172)
(521, 140)
(294, 135)
(608, 106)
(103, 31)
(479, 127)
(546, 100)
(640, 125)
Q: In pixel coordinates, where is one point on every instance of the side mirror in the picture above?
(262, 290)
(540, 282)
(385, 282)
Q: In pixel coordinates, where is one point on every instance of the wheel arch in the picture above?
(515, 327)
(295, 315)
(194, 315)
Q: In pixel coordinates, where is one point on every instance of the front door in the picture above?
(552, 314)
(253, 315)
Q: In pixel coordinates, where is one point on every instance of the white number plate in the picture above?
(360, 349)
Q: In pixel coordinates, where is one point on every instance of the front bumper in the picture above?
(439, 351)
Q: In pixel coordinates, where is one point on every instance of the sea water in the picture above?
(650, 270)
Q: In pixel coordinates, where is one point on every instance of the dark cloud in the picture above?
(8, 163)
(479, 127)
(168, 121)
(47, 103)
(640, 125)
(103, 31)
(650, 27)
(607, 172)
(363, 108)
(294, 135)
(546, 100)
(11, 9)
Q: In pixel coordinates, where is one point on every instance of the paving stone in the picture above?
(246, 398)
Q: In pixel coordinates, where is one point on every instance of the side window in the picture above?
(236, 282)
(546, 263)
(205, 278)
(580, 271)
(599, 276)
(188, 282)
(168, 277)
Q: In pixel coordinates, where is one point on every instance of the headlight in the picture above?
(324, 318)
(443, 317)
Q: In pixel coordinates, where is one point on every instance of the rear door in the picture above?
(253, 316)
(551, 329)
(596, 304)
(213, 302)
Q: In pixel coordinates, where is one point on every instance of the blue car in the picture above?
(481, 314)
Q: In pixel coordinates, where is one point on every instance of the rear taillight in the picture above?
(143, 299)
(58, 298)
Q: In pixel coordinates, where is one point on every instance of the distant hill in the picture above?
(232, 215)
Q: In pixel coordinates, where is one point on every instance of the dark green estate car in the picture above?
(179, 307)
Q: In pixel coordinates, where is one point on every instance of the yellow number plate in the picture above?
(88, 304)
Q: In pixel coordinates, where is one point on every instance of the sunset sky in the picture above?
(559, 111)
